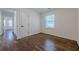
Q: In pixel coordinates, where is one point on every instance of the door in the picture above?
(23, 26)
(8, 23)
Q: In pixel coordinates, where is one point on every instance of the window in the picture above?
(50, 21)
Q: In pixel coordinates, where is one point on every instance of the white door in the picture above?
(24, 25)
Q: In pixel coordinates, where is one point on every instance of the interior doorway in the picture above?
(8, 21)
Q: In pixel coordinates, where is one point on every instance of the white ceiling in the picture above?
(42, 10)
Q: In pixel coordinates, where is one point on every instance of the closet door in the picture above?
(24, 25)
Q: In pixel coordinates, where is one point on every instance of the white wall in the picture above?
(0, 24)
(78, 26)
(65, 25)
(34, 26)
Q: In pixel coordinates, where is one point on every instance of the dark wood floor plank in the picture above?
(37, 42)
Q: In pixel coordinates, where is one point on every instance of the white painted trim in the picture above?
(78, 43)
(15, 25)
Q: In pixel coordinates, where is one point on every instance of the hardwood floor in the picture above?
(38, 42)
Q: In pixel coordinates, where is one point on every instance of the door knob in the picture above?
(22, 26)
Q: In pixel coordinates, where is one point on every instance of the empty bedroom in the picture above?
(39, 29)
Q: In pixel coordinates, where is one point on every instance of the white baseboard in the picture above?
(78, 43)
(19, 37)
